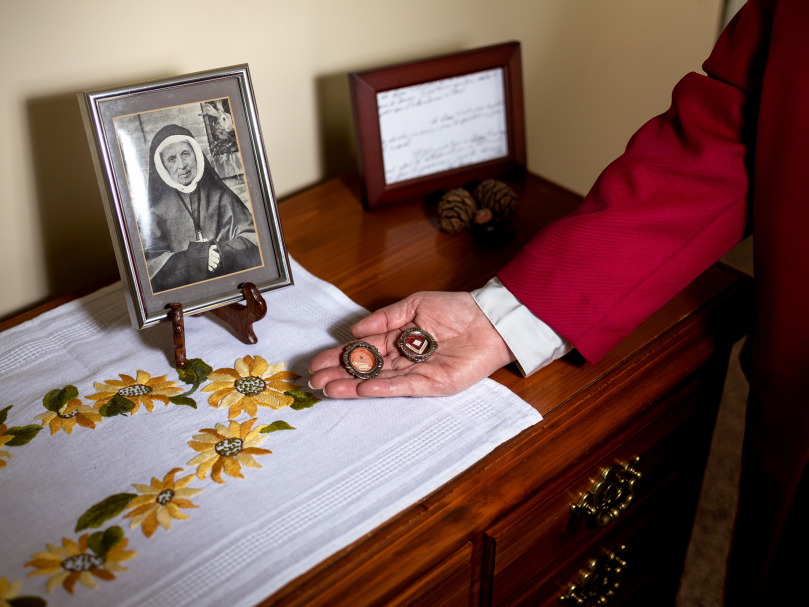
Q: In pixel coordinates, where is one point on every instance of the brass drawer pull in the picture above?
(610, 496)
(598, 582)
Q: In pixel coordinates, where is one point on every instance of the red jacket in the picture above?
(731, 154)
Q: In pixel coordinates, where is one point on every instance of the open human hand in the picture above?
(469, 349)
(213, 257)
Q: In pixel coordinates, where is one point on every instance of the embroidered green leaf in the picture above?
(196, 371)
(101, 542)
(22, 435)
(303, 400)
(117, 405)
(27, 601)
(56, 399)
(276, 426)
(4, 414)
(187, 375)
(183, 400)
(104, 510)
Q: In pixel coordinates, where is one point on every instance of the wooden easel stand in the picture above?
(239, 316)
(178, 330)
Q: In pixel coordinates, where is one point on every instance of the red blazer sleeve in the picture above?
(662, 213)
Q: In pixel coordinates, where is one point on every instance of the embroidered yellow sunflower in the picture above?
(8, 591)
(227, 449)
(69, 415)
(72, 562)
(251, 383)
(4, 438)
(143, 389)
(160, 502)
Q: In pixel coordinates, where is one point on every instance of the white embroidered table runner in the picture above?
(114, 490)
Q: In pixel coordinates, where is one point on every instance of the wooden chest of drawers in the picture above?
(501, 533)
(540, 547)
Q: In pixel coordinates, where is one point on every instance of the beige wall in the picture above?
(594, 71)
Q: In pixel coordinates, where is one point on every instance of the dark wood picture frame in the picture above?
(366, 85)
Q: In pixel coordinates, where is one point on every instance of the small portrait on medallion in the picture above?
(192, 211)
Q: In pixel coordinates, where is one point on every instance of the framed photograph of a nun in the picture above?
(187, 191)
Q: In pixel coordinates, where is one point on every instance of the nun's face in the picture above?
(180, 161)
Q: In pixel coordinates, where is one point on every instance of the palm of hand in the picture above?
(470, 349)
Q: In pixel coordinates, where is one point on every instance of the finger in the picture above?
(338, 383)
(328, 358)
(389, 318)
(320, 379)
(323, 376)
(343, 388)
(333, 357)
(411, 384)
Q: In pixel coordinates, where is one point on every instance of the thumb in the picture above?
(389, 318)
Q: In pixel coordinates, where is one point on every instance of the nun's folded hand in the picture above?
(213, 258)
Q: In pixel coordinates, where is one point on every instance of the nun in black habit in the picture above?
(196, 228)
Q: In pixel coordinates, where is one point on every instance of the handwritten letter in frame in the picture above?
(438, 123)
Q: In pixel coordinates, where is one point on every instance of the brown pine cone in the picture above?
(496, 196)
(455, 210)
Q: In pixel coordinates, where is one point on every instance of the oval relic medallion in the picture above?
(417, 345)
(362, 360)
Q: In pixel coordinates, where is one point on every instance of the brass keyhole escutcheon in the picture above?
(610, 496)
(598, 582)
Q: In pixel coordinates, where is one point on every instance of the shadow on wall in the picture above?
(729, 10)
(78, 248)
(334, 114)
(335, 125)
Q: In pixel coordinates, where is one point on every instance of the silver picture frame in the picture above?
(195, 234)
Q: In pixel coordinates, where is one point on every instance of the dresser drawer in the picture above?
(643, 542)
(529, 543)
(446, 585)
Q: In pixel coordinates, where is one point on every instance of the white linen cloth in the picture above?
(348, 466)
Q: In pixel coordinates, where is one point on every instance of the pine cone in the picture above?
(497, 196)
(455, 210)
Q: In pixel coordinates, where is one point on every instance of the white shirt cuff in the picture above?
(532, 342)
